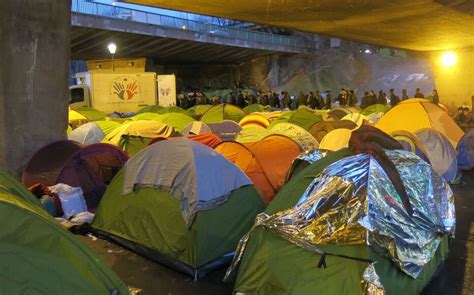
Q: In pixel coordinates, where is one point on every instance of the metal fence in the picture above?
(111, 11)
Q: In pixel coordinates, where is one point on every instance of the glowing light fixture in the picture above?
(112, 48)
(449, 59)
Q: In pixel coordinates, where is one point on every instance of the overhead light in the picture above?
(368, 51)
(112, 48)
(449, 59)
(212, 32)
(184, 27)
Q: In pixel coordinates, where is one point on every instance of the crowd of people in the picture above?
(464, 118)
(314, 100)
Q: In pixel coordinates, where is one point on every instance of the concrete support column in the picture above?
(34, 64)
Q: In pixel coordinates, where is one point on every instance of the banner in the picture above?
(166, 90)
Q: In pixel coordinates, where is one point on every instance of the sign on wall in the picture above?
(166, 90)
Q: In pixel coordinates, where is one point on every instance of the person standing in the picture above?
(435, 96)
(273, 99)
(328, 102)
(394, 99)
(342, 97)
(373, 98)
(365, 101)
(418, 94)
(301, 101)
(405, 94)
(312, 102)
(352, 98)
(382, 99)
(264, 99)
(286, 101)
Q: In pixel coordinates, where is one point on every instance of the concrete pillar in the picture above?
(34, 64)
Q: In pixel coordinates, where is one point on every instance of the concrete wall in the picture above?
(455, 84)
(34, 64)
(327, 69)
(201, 76)
(335, 69)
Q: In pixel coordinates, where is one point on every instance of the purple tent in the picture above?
(227, 130)
(90, 167)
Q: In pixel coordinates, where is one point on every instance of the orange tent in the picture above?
(241, 156)
(265, 162)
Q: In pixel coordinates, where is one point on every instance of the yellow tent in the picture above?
(75, 119)
(358, 119)
(415, 114)
(254, 119)
(336, 140)
(140, 128)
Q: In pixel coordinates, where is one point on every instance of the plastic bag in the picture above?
(72, 199)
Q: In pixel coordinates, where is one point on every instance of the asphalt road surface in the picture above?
(455, 277)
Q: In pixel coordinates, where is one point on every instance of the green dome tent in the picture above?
(223, 112)
(267, 257)
(180, 203)
(150, 109)
(91, 114)
(146, 116)
(133, 136)
(172, 109)
(304, 139)
(198, 110)
(301, 117)
(252, 134)
(177, 120)
(9, 185)
(375, 108)
(254, 108)
(107, 126)
(39, 256)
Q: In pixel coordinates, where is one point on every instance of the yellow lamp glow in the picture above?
(449, 59)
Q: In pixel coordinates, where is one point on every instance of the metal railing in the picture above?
(111, 11)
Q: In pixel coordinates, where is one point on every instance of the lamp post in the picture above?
(112, 49)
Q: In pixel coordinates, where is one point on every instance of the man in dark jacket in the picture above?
(352, 98)
(365, 102)
(394, 99)
(301, 99)
(405, 94)
(312, 101)
(435, 96)
(328, 102)
(273, 99)
(418, 94)
(382, 99)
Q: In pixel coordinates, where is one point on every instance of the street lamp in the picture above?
(112, 49)
(449, 59)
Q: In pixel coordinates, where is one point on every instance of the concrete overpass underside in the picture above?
(90, 36)
(90, 44)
